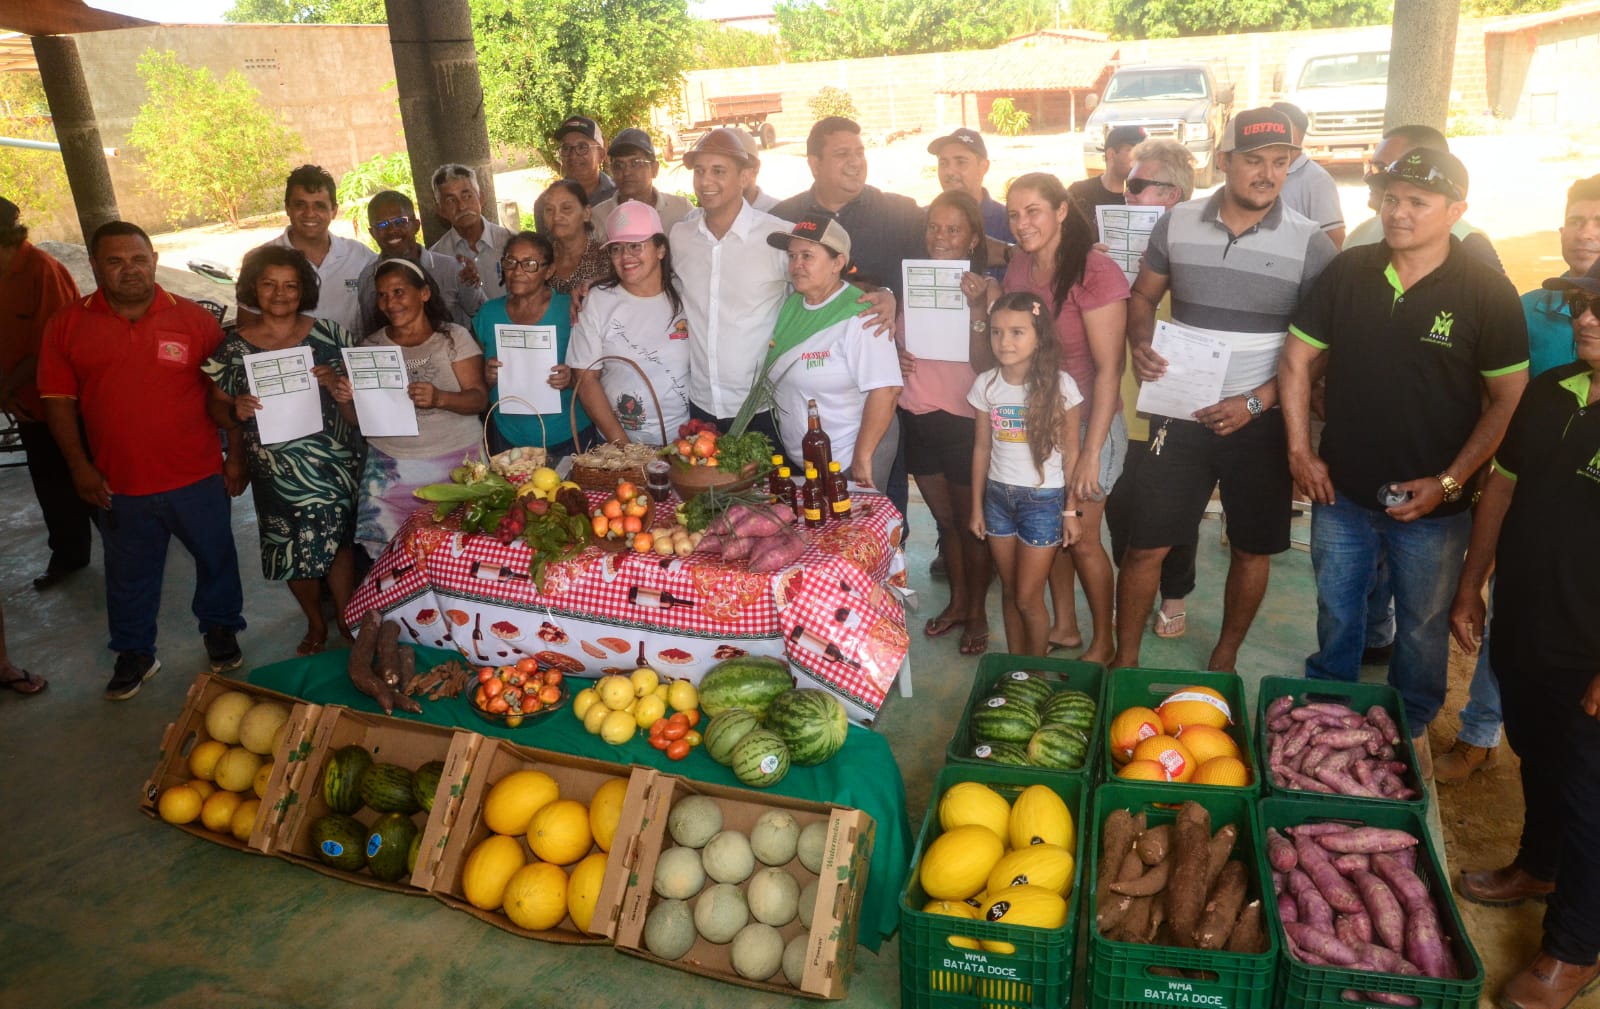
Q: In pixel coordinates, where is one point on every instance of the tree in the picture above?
(36, 181)
(1172, 18)
(542, 60)
(717, 46)
(846, 29)
(209, 147)
(307, 12)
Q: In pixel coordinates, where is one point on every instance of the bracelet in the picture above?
(1452, 489)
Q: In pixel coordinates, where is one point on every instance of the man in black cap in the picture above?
(1309, 188)
(1426, 355)
(1106, 188)
(633, 159)
(1532, 525)
(963, 162)
(582, 150)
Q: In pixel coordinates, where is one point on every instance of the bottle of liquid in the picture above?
(812, 499)
(816, 446)
(787, 493)
(838, 492)
(774, 491)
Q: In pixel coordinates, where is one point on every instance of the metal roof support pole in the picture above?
(1424, 35)
(441, 97)
(77, 130)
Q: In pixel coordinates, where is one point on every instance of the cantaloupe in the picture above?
(813, 842)
(757, 951)
(794, 958)
(224, 714)
(775, 837)
(727, 857)
(807, 904)
(694, 820)
(260, 724)
(669, 929)
(720, 912)
(679, 874)
(773, 896)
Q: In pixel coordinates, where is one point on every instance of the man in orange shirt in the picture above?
(32, 287)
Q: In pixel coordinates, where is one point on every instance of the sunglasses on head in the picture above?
(1432, 179)
(1579, 302)
(1137, 186)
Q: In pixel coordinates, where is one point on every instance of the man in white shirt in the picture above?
(393, 221)
(1308, 187)
(473, 240)
(310, 198)
(634, 166)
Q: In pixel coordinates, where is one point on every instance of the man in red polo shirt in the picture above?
(33, 287)
(128, 359)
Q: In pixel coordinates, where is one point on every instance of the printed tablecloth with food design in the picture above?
(831, 614)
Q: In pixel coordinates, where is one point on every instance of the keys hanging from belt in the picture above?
(1160, 440)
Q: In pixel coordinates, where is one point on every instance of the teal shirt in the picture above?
(524, 429)
(1549, 331)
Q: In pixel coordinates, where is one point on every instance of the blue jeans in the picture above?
(1424, 560)
(1380, 609)
(1032, 514)
(136, 531)
(1481, 718)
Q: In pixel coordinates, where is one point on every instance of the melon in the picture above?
(1024, 686)
(1069, 707)
(957, 863)
(997, 752)
(224, 714)
(727, 857)
(559, 832)
(761, 759)
(679, 874)
(694, 820)
(757, 951)
(720, 912)
(811, 723)
(807, 904)
(387, 788)
(1194, 706)
(425, 784)
(1040, 816)
(669, 929)
(954, 909)
(489, 867)
(260, 724)
(1034, 906)
(512, 801)
(725, 731)
(341, 778)
(583, 889)
(813, 844)
(750, 682)
(775, 837)
(773, 896)
(536, 896)
(794, 958)
(1003, 719)
(339, 841)
(605, 811)
(1058, 747)
(1046, 865)
(973, 802)
(388, 844)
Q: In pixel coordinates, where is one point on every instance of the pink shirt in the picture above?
(936, 385)
(1103, 283)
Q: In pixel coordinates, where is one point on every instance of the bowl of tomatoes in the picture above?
(511, 695)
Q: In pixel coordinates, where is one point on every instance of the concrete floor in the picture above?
(104, 907)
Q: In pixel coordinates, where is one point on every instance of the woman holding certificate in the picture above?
(304, 487)
(444, 369)
(937, 420)
(1087, 293)
(524, 338)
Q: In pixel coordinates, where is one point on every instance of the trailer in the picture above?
(747, 112)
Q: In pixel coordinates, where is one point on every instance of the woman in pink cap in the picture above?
(637, 315)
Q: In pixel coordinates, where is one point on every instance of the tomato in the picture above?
(692, 716)
(492, 688)
(660, 743)
(675, 730)
(693, 737)
(678, 749)
(527, 666)
(658, 726)
(485, 674)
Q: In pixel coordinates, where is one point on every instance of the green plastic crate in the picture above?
(1310, 987)
(1121, 974)
(1136, 687)
(1359, 696)
(1069, 674)
(934, 974)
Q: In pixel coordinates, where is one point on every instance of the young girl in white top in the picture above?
(1027, 427)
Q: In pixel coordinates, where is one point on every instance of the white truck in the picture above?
(1341, 84)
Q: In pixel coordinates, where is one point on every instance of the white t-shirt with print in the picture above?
(1010, 460)
(647, 332)
(837, 367)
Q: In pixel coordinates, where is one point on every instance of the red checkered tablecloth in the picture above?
(601, 611)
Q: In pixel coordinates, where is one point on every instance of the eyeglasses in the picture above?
(529, 265)
(1433, 178)
(1579, 302)
(617, 249)
(393, 222)
(1137, 186)
(620, 165)
(577, 150)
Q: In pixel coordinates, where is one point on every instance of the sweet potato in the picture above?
(1288, 910)
(1340, 760)
(1386, 960)
(1407, 858)
(1154, 843)
(1278, 726)
(1368, 840)
(749, 520)
(1314, 758)
(1350, 863)
(1320, 943)
(1217, 852)
(1152, 882)
(1303, 783)
(1247, 936)
(1343, 784)
(1186, 890)
(1221, 911)
(1406, 884)
(1280, 852)
(1335, 889)
(1425, 945)
(777, 553)
(1384, 998)
(1344, 927)
(738, 548)
(1380, 720)
(1279, 708)
(1342, 739)
(1299, 737)
(1388, 920)
(1314, 909)
(1360, 924)
(1318, 829)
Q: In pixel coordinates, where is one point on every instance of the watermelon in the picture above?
(341, 778)
(426, 782)
(749, 682)
(1023, 685)
(389, 846)
(387, 788)
(761, 759)
(1070, 707)
(1058, 747)
(811, 722)
(1001, 753)
(724, 731)
(340, 841)
(1001, 719)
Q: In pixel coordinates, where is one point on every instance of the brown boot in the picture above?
(1461, 761)
(1504, 887)
(1548, 983)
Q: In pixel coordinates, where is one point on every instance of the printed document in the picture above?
(291, 402)
(1196, 364)
(938, 321)
(527, 353)
(378, 376)
(1125, 231)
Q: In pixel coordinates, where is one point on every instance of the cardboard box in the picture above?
(579, 778)
(189, 731)
(836, 915)
(390, 741)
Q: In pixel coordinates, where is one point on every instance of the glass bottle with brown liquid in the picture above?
(813, 499)
(787, 493)
(838, 492)
(774, 491)
(816, 446)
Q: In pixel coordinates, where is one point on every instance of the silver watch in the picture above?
(1254, 405)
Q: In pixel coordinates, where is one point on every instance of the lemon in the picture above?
(203, 759)
(615, 691)
(683, 696)
(545, 478)
(595, 717)
(217, 812)
(179, 804)
(258, 784)
(244, 820)
(662, 691)
(644, 680)
(583, 702)
(236, 769)
(648, 709)
(618, 727)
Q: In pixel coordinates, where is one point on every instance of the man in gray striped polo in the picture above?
(1237, 264)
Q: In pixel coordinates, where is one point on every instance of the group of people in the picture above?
(1384, 373)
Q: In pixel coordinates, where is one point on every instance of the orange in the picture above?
(1205, 742)
(1222, 771)
(1142, 770)
(1172, 755)
(1129, 727)
(1194, 706)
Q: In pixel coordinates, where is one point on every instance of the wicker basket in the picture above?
(595, 478)
(501, 462)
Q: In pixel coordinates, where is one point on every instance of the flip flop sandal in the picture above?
(1057, 646)
(24, 682)
(938, 628)
(974, 644)
(308, 647)
(1173, 626)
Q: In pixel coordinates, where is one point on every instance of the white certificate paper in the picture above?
(527, 353)
(291, 403)
(938, 322)
(378, 376)
(1196, 365)
(1125, 231)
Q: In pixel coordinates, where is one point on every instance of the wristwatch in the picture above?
(980, 327)
(1254, 405)
(1452, 489)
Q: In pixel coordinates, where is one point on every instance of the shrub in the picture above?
(1007, 119)
(831, 101)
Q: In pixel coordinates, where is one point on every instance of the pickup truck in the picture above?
(1183, 101)
(1342, 85)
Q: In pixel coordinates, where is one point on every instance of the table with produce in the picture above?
(591, 581)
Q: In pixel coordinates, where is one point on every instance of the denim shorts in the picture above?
(1032, 514)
